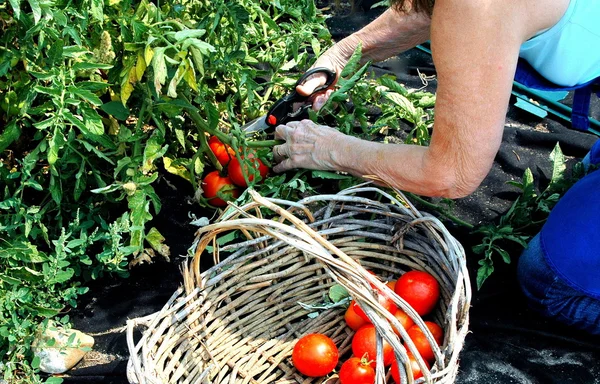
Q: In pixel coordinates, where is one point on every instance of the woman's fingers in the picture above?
(311, 84)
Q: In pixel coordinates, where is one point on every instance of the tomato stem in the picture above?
(211, 156)
(264, 143)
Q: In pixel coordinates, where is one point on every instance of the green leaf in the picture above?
(176, 167)
(338, 293)
(86, 65)
(329, 175)
(55, 144)
(160, 68)
(154, 149)
(187, 33)
(36, 10)
(92, 120)
(11, 133)
(85, 95)
(16, 6)
(503, 253)
(558, 180)
(116, 109)
(484, 272)
(97, 10)
(353, 62)
(156, 241)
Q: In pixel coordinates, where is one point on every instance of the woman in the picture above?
(475, 45)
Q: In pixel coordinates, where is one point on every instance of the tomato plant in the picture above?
(315, 355)
(237, 171)
(357, 370)
(420, 290)
(353, 320)
(219, 189)
(420, 340)
(223, 152)
(416, 370)
(364, 343)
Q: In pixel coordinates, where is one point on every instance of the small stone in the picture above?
(67, 349)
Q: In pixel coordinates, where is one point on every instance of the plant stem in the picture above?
(264, 143)
(437, 208)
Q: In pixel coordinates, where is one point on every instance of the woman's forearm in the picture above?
(388, 35)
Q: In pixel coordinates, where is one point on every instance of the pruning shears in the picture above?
(286, 109)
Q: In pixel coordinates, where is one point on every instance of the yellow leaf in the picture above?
(148, 54)
(140, 66)
(133, 76)
(190, 78)
(176, 168)
(126, 90)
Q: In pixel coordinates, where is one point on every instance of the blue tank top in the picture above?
(568, 54)
(570, 237)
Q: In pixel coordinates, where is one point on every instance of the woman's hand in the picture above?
(332, 59)
(308, 145)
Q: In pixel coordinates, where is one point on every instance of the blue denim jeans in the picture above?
(548, 295)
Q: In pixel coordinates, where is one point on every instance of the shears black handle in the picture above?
(283, 110)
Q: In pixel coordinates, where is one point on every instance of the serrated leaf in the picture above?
(353, 62)
(97, 9)
(197, 59)
(176, 167)
(557, 181)
(16, 6)
(187, 33)
(504, 254)
(83, 66)
(484, 272)
(36, 10)
(172, 89)
(148, 55)
(140, 66)
(85, 95)
(116, 109)
(153, 150)
(92, 120)
(160, 69)
(157, 242)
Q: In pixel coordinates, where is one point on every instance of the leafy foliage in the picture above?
(98, 100)
(526, 215)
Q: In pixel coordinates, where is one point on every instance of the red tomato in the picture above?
(420, 290)
(416, 370)
(223, 152)
(387, 303)
(404, 320)
(352, 319)
(420, 340)
(357, 371)
(234, 169)
(315, 355)
(392, 285)
(216, 186)
(364, 345)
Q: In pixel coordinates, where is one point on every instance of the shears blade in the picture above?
(257, 125)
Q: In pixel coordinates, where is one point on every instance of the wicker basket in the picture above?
(238, 321)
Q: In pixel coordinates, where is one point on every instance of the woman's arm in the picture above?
(388, 35)
(475, 48)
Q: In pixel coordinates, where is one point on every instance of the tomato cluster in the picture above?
(220, 187)
(420, 290)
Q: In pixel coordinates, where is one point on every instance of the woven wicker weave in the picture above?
(238, 321)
